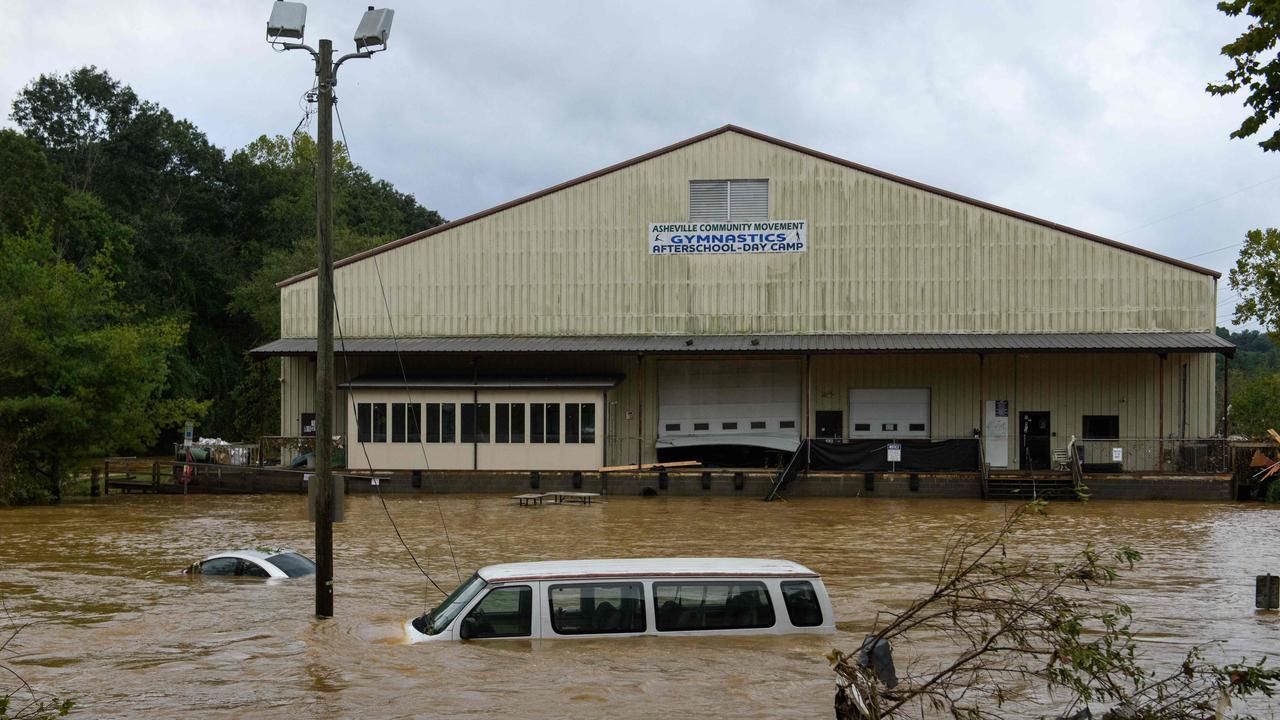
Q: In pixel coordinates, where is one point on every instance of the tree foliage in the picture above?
(1256, 407)
(1256, 276)
(189, 240)
(1254, 382)
(81, 374)
(1256, 70)
(1028, 637)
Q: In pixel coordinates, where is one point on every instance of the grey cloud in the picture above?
(1090, 114)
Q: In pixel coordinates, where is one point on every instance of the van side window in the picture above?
(504, 612)
(723, 605)
(597, 608)
(802, 603)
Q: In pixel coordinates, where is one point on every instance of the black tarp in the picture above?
(872, 455)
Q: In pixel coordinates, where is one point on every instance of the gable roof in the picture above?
(774, 141)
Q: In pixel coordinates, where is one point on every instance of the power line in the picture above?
(1210, 252)
(1233, 193)
(409, 395)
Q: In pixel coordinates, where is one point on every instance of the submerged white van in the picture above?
(609, 598)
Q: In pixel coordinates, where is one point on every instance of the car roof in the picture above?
(247, 554)
(644, 567)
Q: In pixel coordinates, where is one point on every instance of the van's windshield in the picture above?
(452, 605)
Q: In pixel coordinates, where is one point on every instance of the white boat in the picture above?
(618, 598)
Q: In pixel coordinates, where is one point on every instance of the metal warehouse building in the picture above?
(728, 296)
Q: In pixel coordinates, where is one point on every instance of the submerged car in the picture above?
(611, 598)
(255, 563)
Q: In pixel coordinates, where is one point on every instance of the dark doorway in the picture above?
(1034, 452)
(829, 424)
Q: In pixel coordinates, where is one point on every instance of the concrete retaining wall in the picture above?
(1160, 487)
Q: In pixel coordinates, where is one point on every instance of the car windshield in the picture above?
(452, 605)
(293, 564)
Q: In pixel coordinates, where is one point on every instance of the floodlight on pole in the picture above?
(288, 23)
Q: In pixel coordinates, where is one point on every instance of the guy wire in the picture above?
(404, 378)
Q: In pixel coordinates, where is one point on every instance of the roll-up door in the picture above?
(889, 413)
(729, 402)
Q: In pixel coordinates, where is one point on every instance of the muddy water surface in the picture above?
(118, 627)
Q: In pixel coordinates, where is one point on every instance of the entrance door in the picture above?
(1034, 440)
(828, 424)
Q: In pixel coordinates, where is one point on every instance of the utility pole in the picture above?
(288, 22)
(324, 338)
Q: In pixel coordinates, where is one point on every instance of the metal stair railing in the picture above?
(1077, 472)
(788, 473)
(984, 470)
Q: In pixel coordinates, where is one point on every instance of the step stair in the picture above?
(1053, 487)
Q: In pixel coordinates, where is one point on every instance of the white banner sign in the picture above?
(727, 238)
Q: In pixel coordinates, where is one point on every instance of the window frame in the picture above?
(553, 426)
(364, 422)
(500, 588)
(640, 599)
(537, 423)
(517, 421)
(398, 425)
(502, 423)
(786, 602)
(587, 422)
(1108, 419)
(703, 204)
(379, 413)
(760, 585)
(413, 422)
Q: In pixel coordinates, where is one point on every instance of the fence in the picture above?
(1177, 455)
(284, 448)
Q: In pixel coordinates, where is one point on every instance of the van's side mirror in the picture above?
(469, 628)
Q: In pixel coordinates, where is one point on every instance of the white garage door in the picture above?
(729, 402)
(889, 412)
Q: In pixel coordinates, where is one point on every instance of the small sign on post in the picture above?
(1267, 592)
(895, 452)
(187, 433)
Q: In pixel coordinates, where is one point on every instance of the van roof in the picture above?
(644, 567)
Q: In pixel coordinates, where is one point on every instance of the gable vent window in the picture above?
(728, 200)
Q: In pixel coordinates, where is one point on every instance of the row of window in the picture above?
(618, 607)
(888, 427)
(476, 422)
(732, 425)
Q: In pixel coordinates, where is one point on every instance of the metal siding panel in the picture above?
(883, 257)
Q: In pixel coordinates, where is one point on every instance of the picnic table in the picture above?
(560, 496)
(529, 499)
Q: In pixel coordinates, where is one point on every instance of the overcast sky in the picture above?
(1089, 114)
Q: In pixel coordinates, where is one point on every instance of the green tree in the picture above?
(80, 374)
(194, 236)
(1256, 72)
(1256, 277)
(274, 197)
(1256, 68)
(1255, 408)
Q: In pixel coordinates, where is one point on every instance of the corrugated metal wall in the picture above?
(884, 257)
(1068, 386)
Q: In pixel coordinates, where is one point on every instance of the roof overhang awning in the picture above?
(866, 343)
(600, 382)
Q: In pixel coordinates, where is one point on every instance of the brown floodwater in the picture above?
(121, 630)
